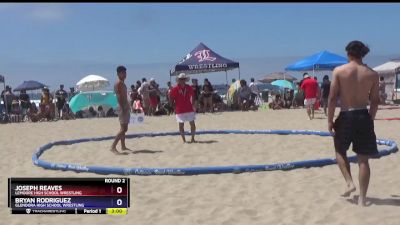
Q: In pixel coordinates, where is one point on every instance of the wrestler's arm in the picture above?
(333, 93)
(118, 92)
(374, 97)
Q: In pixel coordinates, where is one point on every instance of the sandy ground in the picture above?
(302, 196)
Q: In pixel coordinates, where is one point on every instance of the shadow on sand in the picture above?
(376, 201)
(205, 142)
(320, 118)
(126, 152)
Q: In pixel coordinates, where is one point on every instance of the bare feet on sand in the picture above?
(115, 151)
(126, 149)
(193, 141)
(361, 202)
(350, 188)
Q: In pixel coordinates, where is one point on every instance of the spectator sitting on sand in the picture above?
(218, 102)
(67, 113)
(288, 97)
(92, 112)
(277, 103)
(100, 112)
(33, 114)
(79, 114)
(110, 113)
(137, 107)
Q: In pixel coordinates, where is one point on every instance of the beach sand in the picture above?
(301, 196)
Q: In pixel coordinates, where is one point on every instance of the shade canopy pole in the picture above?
(226, 77)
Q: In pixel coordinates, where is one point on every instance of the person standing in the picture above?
(310, 88)
(299, 98)
(325, 88)
(8, 97)
(47, 107)
(123, 109)
(138, 84)
(317, 103)
(254, 91)
(144, 92)
(61, 96)
(169, 88)
(154, 93)
(72, 93)
(356, 84)
(196, 89)
(244, 95)
(207, 93)
(25, 102)
(382, 93)
(183, 97)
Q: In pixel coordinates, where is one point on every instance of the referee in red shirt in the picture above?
(183, 97)
(310, 88)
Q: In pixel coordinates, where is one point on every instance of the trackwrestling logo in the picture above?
(204, 55)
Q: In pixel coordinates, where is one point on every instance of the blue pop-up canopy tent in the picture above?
(321, 61)
(204, 60)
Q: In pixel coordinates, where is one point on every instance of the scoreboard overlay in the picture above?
(69, 195)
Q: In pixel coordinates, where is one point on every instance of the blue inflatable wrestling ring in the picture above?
(392, 147)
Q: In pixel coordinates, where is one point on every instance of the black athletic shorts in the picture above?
(355, 127)
(60, 104)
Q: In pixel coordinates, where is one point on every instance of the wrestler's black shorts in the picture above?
(355, 127)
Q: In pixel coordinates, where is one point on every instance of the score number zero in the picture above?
(119, 189)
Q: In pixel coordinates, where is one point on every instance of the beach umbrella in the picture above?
(30, 85)
(283, 84)
(277, 76)
(92, 83)
(84, 100)
(323, 60)
(267, 87)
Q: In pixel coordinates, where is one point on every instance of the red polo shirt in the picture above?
(182, 97)
(310, 88)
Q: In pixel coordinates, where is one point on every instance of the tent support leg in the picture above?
(5, 104)
(226, 77)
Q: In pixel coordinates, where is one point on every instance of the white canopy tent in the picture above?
(390, 71)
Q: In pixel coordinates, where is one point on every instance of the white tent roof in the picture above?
(92, 83)
(391, 67)
(91, 78)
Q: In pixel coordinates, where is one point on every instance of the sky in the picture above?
(60, 43)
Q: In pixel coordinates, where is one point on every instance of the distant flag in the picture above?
(1, 79)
